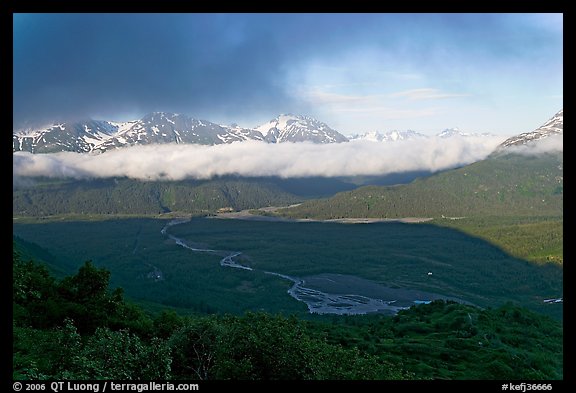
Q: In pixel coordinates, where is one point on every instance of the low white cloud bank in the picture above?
(253, 158)
(551, 144)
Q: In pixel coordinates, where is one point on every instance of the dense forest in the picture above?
(79, 328)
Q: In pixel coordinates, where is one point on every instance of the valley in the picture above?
(377, 258)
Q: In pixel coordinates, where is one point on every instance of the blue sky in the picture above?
(498, 73)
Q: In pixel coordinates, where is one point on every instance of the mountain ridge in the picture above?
(161, 127)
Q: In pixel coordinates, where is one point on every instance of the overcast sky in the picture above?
(498, 73)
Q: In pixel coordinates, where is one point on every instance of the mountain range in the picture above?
(98, 136)
(395, 135)
(161, 128)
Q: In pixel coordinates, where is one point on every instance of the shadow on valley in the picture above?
(424, 261)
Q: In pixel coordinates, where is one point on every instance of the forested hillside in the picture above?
(132, 197)
(506, 185)
(62, 326)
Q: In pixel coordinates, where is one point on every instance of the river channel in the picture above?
(327, 293)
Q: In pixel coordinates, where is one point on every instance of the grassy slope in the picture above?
(536, 239)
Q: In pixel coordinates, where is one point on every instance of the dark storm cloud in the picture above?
(70, 66)
(80, 65)
(213, 66)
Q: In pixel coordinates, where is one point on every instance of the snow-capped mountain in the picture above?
(161, 127)
(292, 128)
(450, 132)
(388, 136)
(79, 136)
(554, 126)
